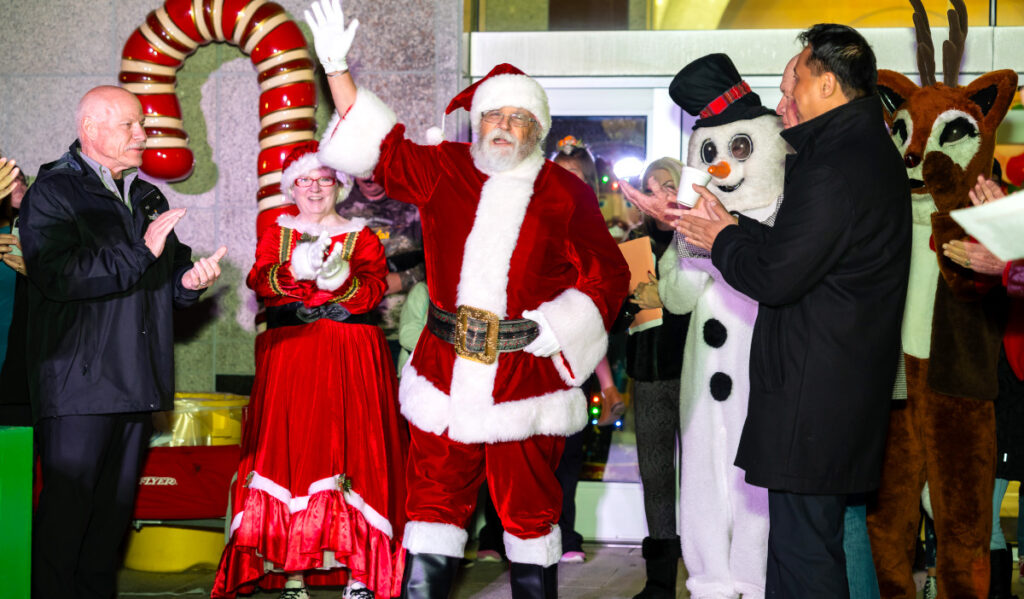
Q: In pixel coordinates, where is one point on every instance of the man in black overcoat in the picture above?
(830, 278)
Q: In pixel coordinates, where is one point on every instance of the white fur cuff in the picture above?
(436, 538)
(542, 551)
(579, 328)
(352, 145)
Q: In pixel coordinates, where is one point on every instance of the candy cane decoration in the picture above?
(277, 48)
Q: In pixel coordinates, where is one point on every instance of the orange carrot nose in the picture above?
(720, 170)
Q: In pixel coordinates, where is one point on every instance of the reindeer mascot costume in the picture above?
(945, 431)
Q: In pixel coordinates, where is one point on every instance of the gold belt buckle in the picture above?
(462, 316)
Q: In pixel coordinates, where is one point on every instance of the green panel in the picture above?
(16, 509)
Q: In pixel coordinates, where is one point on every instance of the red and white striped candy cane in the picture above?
(277, 48)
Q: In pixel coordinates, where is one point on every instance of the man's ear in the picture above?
(89, 127)
(827, 84)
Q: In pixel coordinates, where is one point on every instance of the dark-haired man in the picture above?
(831, 278)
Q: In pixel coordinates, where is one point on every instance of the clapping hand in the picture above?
(308, 257)
(331, 38)
(204, 272)
(655, 204)
(334, 270)
(8, 243)
(701, 225)
(8, 176)
(969, 254)
(646, 294)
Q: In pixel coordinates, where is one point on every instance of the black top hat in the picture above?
(711, 88)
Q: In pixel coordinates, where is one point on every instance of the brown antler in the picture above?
(953, 49)
(925, 49)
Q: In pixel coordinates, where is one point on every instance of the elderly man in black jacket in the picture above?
(106, 269)
(830, 278)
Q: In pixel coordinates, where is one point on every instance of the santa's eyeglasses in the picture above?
(516, 119)
(308, 181)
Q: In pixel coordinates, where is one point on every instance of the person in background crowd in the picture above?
(106, 270)
(527, 269)
(654, 360)
(15, 409)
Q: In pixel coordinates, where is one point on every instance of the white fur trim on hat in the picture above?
(520, 91)
(303, 165)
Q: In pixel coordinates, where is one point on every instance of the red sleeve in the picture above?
(603, 272)
(407, 171)
(271, 275)
(366, 284)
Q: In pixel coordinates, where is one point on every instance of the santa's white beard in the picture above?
(491, 158)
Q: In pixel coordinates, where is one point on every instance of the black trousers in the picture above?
(805, 546)
(90, 467)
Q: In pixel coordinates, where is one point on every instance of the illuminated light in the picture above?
(604, 179)
(595, 411)
(595, 399)
(618, 424)
(630, 166)
(615, 186)
(594, 422)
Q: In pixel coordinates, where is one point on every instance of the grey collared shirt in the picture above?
(129, 176)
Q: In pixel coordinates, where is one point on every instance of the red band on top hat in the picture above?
(719, 104)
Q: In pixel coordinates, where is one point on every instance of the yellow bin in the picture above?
(172, 549)
(207, 419)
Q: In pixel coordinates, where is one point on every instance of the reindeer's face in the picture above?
(946, 134)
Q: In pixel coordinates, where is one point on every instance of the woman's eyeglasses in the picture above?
(308, 181)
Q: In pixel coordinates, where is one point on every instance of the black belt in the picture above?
(478, 334)
(295, 313)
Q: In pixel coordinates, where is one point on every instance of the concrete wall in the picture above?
(407, 51)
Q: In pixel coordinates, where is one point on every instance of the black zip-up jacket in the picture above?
(100, 337)
(831, 280)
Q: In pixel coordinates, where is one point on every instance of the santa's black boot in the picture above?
(428, 576)
(530, 581)
(662, 560)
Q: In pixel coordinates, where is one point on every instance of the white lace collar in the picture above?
(314, 229)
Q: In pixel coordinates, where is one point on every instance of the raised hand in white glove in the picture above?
(331, 38)
(545, 344)
(334, 271)
(308, 257)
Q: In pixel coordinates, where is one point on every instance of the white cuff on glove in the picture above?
(545, 345)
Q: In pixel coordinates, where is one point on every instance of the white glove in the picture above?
(308, 257)
(334, 271)
(545, 345)
(331, 38)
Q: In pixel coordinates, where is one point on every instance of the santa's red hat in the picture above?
(504, 86)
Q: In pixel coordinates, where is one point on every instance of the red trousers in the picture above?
(444, 478)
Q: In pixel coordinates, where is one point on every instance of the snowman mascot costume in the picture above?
(724, 521)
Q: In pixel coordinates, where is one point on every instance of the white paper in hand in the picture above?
(997, 225)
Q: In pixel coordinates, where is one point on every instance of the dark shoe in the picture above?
(530, 581)
(662, 560)
(428, 576)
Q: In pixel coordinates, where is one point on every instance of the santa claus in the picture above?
(524, 281)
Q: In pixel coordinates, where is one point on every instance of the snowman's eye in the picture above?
(740, 146)
(708, 152)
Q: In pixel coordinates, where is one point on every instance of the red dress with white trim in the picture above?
(321, 484)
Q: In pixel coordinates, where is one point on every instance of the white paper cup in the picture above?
(687, 196)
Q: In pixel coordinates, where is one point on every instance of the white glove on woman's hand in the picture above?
(331, 38)
(334, 271)
(308, 257)
(545, 344)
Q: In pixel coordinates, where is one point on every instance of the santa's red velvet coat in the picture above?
(528, 238)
